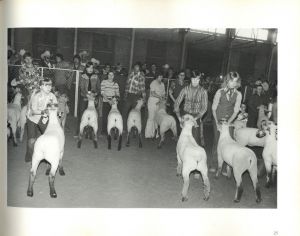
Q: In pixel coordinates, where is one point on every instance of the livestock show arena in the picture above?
(142, 118)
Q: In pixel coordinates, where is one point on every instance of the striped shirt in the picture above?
(195, 100)
(109, 89)
(135, 83)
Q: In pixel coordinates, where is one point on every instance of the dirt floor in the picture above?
(131, 178)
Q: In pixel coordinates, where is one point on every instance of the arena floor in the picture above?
(131, 178)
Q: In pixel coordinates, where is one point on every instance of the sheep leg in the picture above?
(239, 188)
(60, 167)
(115, 133)
(54, 166)
(140, 140)
(48, 169)
(228, 169)
(186, 182)
(274, 177)
(220, 164)
(22, 132)
(109, 140)
(128, 137)
(203, 171)
(35, 164)
(179, 166)
(253, 175)
(95, 129)
(14, 132)
(120, 141)
(162, 139)
(82, 125)
(268, 166)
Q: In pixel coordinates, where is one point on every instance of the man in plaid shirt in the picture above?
(195, 103)
(135, 88)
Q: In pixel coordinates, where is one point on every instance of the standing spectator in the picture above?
(96, 64)
(45, 62)
(89, 82)
(105, 71)
(135, 88)
(254, 102)
(145, 69)
(150, 76)
(109, 89)
(120, 78)
(188, 74)
(195, 104)
(174, 91)
(36, 122)
(72, 81)
(157, 93)
(226, 104)
(61, 77)
(266, 91)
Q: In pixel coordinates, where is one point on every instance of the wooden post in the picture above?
(12, 38)
(131, 49)
(227, 53)
(75, 40)
(183, 33)
(76, 93)
(271, 62)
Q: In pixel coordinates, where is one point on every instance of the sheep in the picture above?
(14, 114)
(23, 120)
(270, 150)
(114, 120)
(134, 121)
(190, 156)
(239, 158)
(164, 122)
(262, 118)
(9, 132)
(49, 146)
(89, 118)
(63, 109)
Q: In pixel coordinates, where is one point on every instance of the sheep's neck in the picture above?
(91, 103)
(53, 118)
(187, 130)
(225, 133)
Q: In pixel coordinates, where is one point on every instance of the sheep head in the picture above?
(188, 121)
(268, 127)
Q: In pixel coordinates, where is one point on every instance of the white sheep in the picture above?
(164, 122)
(89, 118)
(63, 109)
(262, 117)
(14, 114)
(247, 137)
(270, 150)
(238, 157)
(23, 120)
(49, 147)
(114, 120)
(191, 156)
(134, 121)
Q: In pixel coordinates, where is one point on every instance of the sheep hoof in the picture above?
(178, 174)
(268, 185)
(258, 200)
(159, 147)
(53, 194)
(29, 193)
(79, 144)
(216, 176)
(206, 198)
(15, 144)
(184, 199)
(140, 145)
(236, 200)
(61, 171)
(95, 144)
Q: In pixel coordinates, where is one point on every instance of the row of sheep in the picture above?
(190, 155)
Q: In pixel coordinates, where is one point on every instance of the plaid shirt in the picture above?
(195, 100)
(135, 83)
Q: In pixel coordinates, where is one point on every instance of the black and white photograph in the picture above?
(142, 117)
